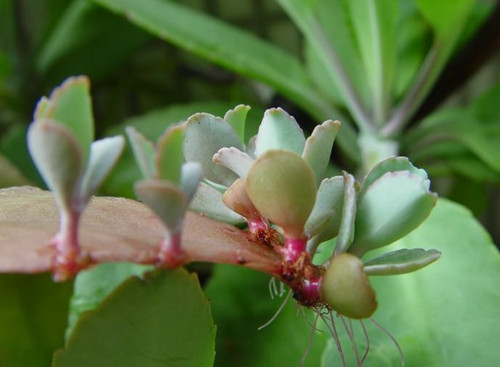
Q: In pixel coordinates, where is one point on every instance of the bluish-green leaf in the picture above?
(391, 207)
(400, 261)
(144, 152)
(346, 225)
(168, 156)
(237, 118)
(142, 324)
(279, 130)
(204, 135)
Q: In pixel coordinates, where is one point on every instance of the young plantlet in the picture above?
(168, 186)
(60, 141)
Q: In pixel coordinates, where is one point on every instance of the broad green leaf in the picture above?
(165, 199)
(103, 156)
(318, 147)
(169, 157)
(204, 135)
(281, 186)
(237, 118)
(240, 304)
(237, 161)
(279, 130)
(346, 225)
(91, 286)
(70, 105)
(142, 324)
(221, 43)
(208, 200)
(58, 157)
(374, 24)
(393, 206)
(445, 18)
(485, 107)
(31, 330)
(400, 261)
(438, 313)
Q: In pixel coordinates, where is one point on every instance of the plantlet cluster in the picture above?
(272, 186)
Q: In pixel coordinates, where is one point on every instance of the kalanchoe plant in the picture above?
(274, 184)
(60, 140)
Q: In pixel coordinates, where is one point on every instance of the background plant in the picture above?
(465, 158)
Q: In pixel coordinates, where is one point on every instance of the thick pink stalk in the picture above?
(293, 248)
(171, 253)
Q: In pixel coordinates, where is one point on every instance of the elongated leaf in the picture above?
(400, 261)
(103, 156)
(146, 308)
(237, 118)
(221, 43)
(443, 18)
(234, 159)
(433, 306)
(279, 130)
(349, 208)
(318, 147)
(169, 157)
(144, 152)
(374, 24)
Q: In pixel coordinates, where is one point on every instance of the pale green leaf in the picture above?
(347, 221)
(237, 161)
(237, 118)
(144, 152)
(204, 135)
(104, 154)
(400, 261)
(279, 130)
(58, 158)
(444, 18)
(168, 154)
(318, 147)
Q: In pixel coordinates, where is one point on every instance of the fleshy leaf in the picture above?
(346, 229)
(236, 198)
(208, 201)
(168, 157)
(71, 106)
(237, 118)
(391, 164)
(104, 154)
(58, 157)
(145, 307)
(400, 261)
(237, 161)
(281, 185)
(318, 147)
(330, 196)
(204, 135)
(391, 207)
(279, 130)
(165, 199)
(143, 152)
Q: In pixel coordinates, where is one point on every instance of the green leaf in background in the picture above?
(375, 27)
(240, 304)
(222, 44)
(91, 286)
(33, 315)
(84, 41)
(446, 314)
(445, 18)
(141, 324)
(11, 176)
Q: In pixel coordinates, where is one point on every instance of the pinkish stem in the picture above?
(310, 291)
(293, 248)
(171, 253)
(69, 258)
